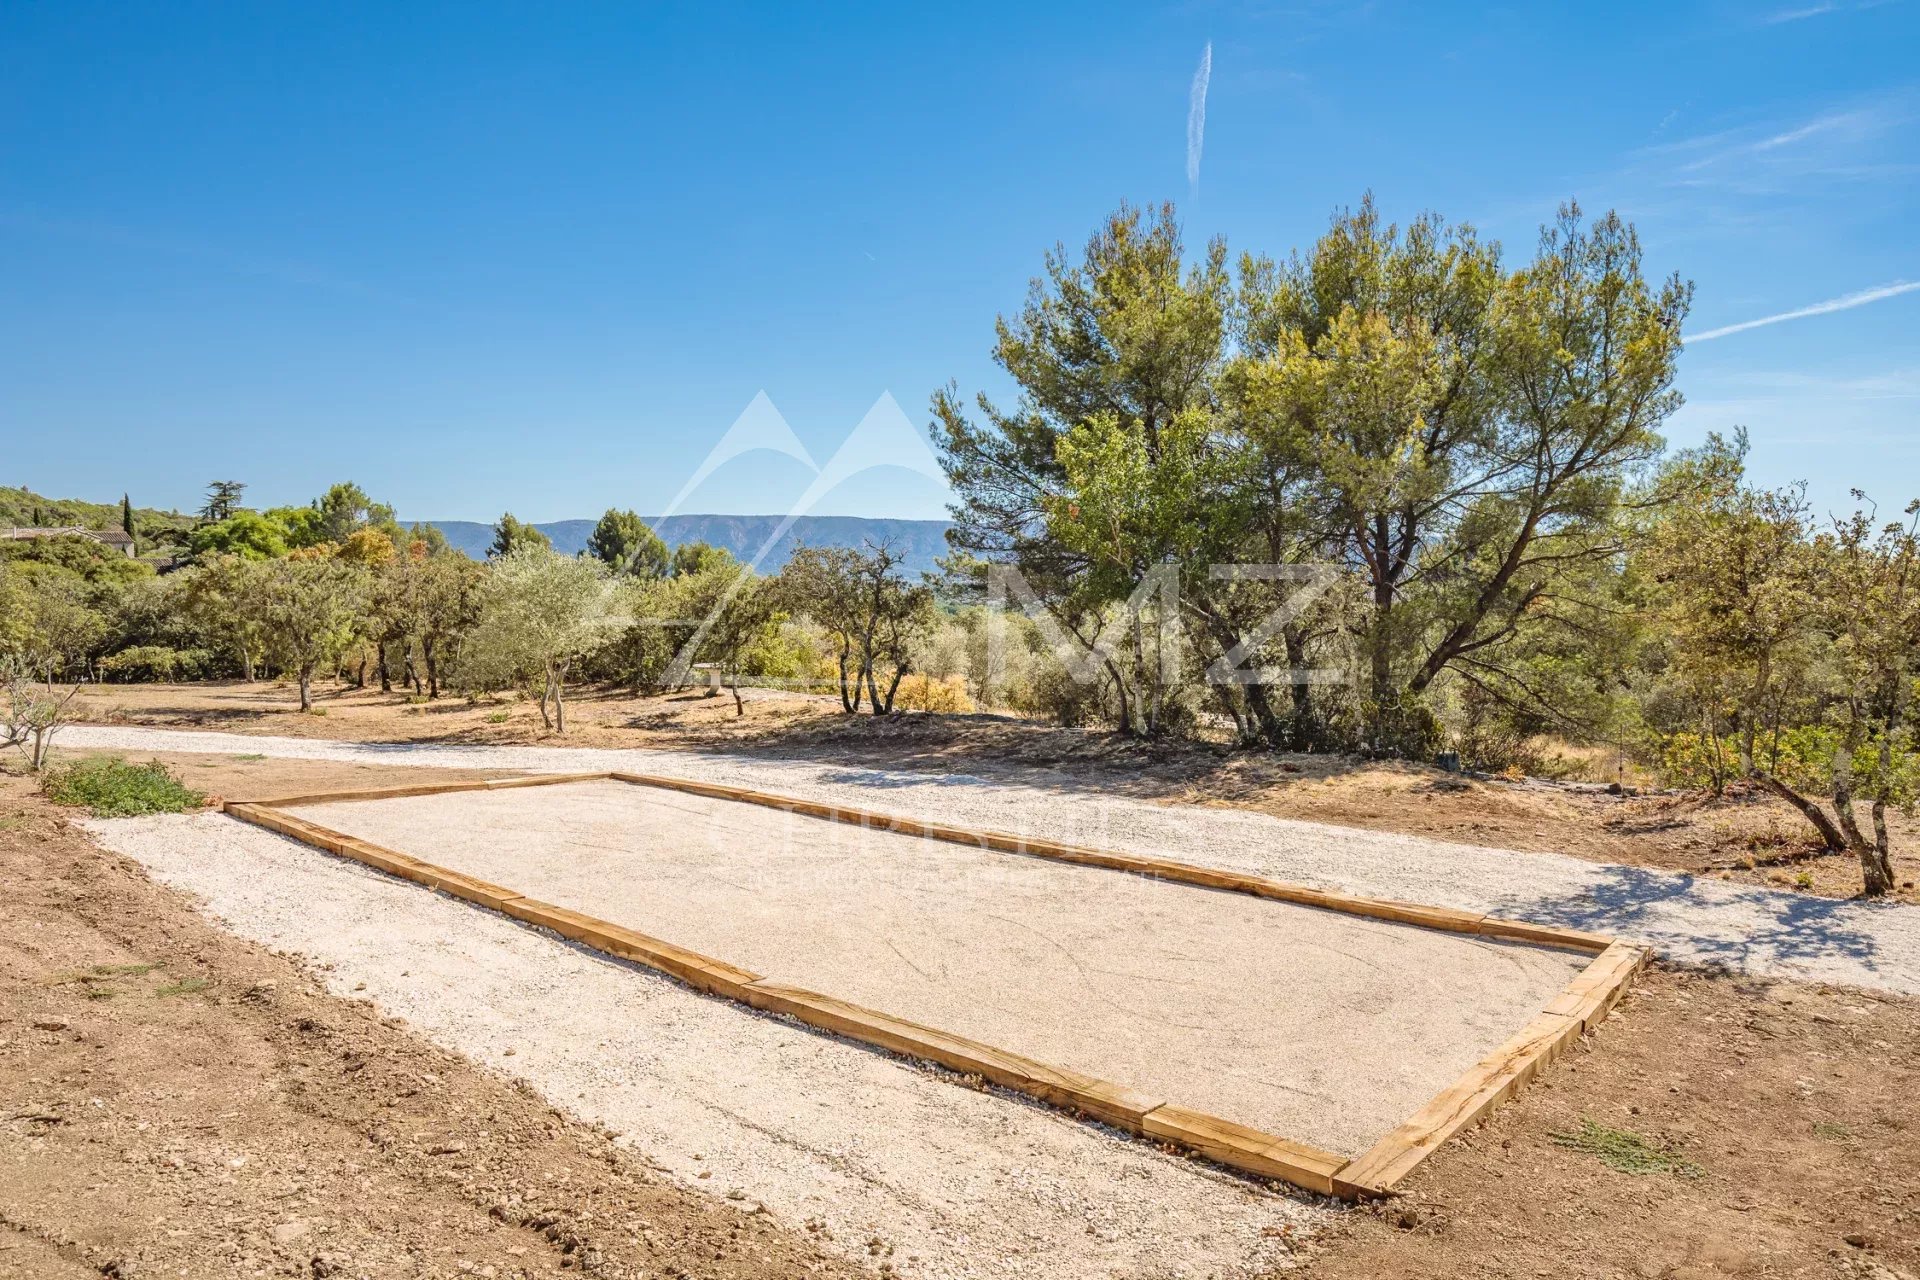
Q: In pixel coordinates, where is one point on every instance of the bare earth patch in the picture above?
(1791, 1104)
(176, 1100)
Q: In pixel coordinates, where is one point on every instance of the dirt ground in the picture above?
(175, 1102)
(1747, 838)
(1792, 1105)
(218, 1115)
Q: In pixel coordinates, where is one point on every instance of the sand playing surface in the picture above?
(1320, 1027)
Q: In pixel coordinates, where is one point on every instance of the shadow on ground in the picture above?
(1713, 923)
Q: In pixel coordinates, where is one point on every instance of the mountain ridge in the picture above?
(918, 542)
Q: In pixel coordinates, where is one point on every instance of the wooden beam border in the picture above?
(1580, 1006)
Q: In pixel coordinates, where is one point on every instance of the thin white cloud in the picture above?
(1845, 302)
(1736, 151)
(1825, 124)
(1818, 10)
(1798, 15)
(1197, 115)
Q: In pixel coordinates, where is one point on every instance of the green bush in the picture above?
(158, 662)
(1802, 757)
(110, 787)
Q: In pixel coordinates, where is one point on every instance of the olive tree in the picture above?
(311, 609)
(736, 609)
(30, 712)
(224, 595)
(536, 613)
(875, 617)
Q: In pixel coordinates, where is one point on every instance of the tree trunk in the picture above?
(899, 673)
(1830, 835)
(306, 686)
(1716, 763)
(385, 672)
(1843, 785)
(1381, 657)
(739, 703)
(1876, 861)
(433, 669)
(1301, 733)
(849, 702)
(558, 678)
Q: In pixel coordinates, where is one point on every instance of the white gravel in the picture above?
(1687, 919)
(1326, 1028)
(952, 1182)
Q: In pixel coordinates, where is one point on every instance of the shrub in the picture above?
(157, 662)
(1802, 757)
(1051, 693)
(110, 787)
(924, 693)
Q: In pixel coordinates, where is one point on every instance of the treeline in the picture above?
(1397, 494)
(338, 588)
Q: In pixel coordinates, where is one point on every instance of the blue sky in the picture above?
(541, 258)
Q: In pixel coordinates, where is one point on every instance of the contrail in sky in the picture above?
(1845, 302)
(1197, 116)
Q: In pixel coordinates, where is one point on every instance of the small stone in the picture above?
(50, 1024)
(288, 1232)
(1858, 1240)
(446, 1148)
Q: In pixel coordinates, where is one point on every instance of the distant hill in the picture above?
(918, 542)
(24, 507)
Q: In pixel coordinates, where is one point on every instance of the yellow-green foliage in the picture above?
(1802, 757)
(925, 693)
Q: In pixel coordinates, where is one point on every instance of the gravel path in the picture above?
(1756, 931)
(889, 1162)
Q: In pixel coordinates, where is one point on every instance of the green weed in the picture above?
(1626, 1152)
(121, 970)
(110, 787)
